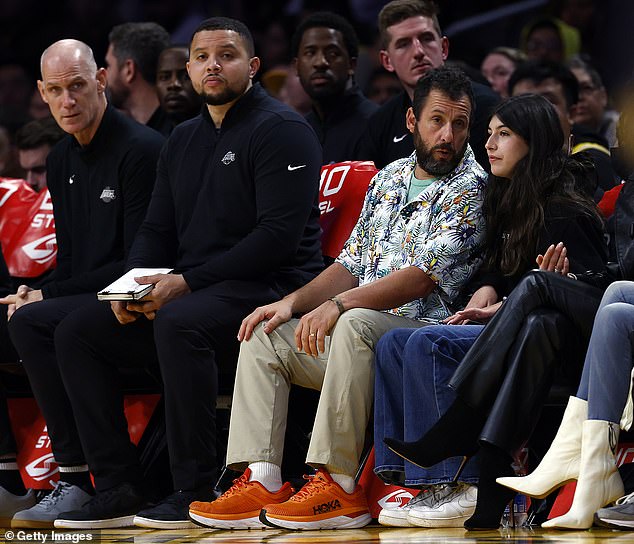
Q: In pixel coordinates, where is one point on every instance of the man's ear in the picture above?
(353, 66)
(410, 120)
(604, 97)
(129, 71)
(254, 66)
(40, 87)
(444, 44)
(102, 80)
(385, 60)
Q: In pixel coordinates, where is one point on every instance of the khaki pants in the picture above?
(269, 364)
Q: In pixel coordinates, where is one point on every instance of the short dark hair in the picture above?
(141, 42)
(38, 133)
(226, 23)
(581, 63)
(327, 19)
(398, 10)
(449, 80)
(540, 70)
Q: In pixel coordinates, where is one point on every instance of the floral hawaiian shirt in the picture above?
(441, 232)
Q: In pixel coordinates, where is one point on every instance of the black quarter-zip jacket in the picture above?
(239, 203)
(343, 127)
(100, 193)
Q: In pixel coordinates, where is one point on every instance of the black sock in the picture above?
(10, 477)
(79, 478)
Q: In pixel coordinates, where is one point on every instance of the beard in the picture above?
(224, 97)
(436, 167)
(117, 96)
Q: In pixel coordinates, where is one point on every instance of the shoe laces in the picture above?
(437, 494)
(425, 497)
(239, 484)
(61, 489)
(626, 499)
(314, 486)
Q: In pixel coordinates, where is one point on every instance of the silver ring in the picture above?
(312, 334)
(557, 270)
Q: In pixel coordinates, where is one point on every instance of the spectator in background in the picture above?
(382, 85)
(413, 44)
(9, 167)
(293, 94)
(498, 66)
(325, 49)
(558, 84)
(131, 61)
(15, 89)
(550, 39)
(176, 94)
(37, 107)
(591, 109)
(34, 141)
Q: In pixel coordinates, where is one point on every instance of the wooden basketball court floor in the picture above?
(372, 534)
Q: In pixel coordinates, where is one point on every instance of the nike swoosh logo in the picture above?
(291, 168)
(398, 139)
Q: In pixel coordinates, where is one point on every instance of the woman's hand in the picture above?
(554, 260)
(480, 315)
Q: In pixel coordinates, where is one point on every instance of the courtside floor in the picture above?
(368, 535)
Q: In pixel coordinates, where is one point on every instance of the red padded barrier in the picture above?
(342, 188)
(27, 229)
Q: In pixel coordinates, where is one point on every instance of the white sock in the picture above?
(268, 474)
(346, 482)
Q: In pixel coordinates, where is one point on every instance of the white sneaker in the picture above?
(397, 516)
(64, 498)
(451, 508)
(10, 504)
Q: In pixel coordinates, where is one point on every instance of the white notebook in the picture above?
(125, 288)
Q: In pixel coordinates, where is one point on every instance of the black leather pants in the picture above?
(540, 332)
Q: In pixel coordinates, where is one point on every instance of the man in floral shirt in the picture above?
(415, 245)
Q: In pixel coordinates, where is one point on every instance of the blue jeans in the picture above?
(413, 368)
(605, 381)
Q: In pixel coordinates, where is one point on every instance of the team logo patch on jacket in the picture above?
(229, 157)
(107, 195)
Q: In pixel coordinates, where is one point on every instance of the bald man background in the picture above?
(100, 177)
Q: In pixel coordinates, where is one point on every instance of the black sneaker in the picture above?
(172, 512)
(115, 507)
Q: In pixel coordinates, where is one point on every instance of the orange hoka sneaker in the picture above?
(320, 504)
(238, 507)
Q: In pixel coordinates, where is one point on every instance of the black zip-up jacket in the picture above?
(387, 137)
(100, 194)
(343, 127)
(238, 203)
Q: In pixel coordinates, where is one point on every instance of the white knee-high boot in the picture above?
(599, 481)
(561, 462)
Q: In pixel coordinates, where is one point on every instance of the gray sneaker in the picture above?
(63, 498)
(398, 517)
(452, 508)
(619, 516)
(10, 504)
